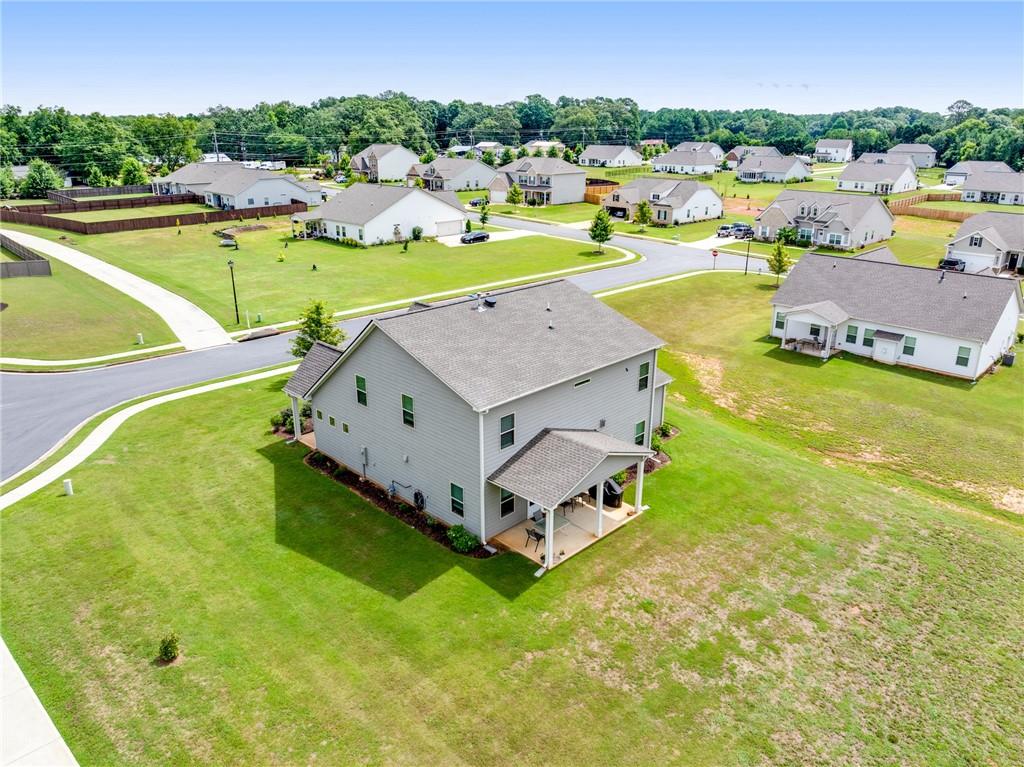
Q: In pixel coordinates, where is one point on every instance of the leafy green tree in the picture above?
(569, 156)
(132, 172)
(316, 325)
(523, 152)
(778, 260)
(507, 156)
(643, 214)
(8, 184)
(553, 151)
(485, 214)
(41, 178)
(538, 152)
(429, 156)
(601, 228)
(514, 195)
(787, 234)
(487, 158)
(94, 176)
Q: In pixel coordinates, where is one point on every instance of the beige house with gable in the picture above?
(833, 219)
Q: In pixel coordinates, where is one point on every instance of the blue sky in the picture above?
(798, 57)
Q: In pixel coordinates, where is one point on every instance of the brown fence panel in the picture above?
(37, 219)
(99, 191)
(31, 265)
(77, 206)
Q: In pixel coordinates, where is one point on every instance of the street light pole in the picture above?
(746, 263)
(234, 293)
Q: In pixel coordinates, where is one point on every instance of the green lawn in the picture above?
(6, 255)
(194, 265)
(893, 421)
(470, 194)
(684, 232)
(116, 196)
(27, 201)
(563, 214)
(149, 211)
(767, 603)
(71, 315)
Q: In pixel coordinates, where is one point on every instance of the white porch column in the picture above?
(549, 538)
(640, 484)
(600, 508)
(296, 420)
(785, 329)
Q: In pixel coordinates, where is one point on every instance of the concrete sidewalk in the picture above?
(28, 736)
(194, 328)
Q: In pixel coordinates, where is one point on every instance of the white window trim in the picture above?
(513, 430)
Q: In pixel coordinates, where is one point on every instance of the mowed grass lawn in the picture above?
(768, 609)
(921, 241)
(561, 214)
(955, 438)
(70, 315)
(149, 211)
(194, 265)
(697, 230)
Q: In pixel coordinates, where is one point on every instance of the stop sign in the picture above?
(714, 253)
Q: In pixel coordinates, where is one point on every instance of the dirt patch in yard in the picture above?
(740, 205)
(1006, 499)
(710, 375)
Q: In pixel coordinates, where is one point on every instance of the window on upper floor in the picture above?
(361, 390)
(644, 376)
(408, 416)
(507, 428)
(975, 241)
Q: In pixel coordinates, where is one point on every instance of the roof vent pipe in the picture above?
(551, 325)
(548, 308)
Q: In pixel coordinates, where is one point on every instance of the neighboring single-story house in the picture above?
(701, 146)
(609, 155)
(451, 174)
(924, 155)
(946, 322)
(690, 163)
(671, 201)
(383, 162)
(994, 186)
(544, 146)
(990, 241)
(885, 157)
(20, 171)
(373, 214)
(833, 150)
(459, 150)
(735, 155)
(754, 168)
(959, 172)
(496, 411)
(215, 157)
(495, 147)
(195, 177)
(548, 180)
(652, 142)
(833, 219)
(877, 178)
(250, 188)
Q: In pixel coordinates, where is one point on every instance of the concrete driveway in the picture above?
(452, 240)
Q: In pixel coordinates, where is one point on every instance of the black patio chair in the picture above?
(534, 535)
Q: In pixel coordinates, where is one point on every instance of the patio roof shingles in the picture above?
(553, 463)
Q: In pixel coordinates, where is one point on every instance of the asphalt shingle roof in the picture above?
(604, 151)
(548, 166)
(758, 151)
(995, 181)
(317, 361)
(769, 163)
(897, 159)
(1006, 230)
(242, 178)
(508, 351)
(834, 143)
(200, 172)
(912, 148)
(957, 305)
(874, 172)
(682, 157)
(696, 146)
(551, 465)
(849, 208)
(974, 166)
(361, 203)
(444, 167)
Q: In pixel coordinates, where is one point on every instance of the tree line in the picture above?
(98, 145)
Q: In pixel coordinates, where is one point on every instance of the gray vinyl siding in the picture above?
(441, 448)
(611, 395)
(659, 406)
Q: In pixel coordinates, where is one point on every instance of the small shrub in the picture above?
(469, 226)
(169, 649)
(276, 421)
(619, 477)
(656, 443)
(417, 233)
(664, 431)
(461, 539)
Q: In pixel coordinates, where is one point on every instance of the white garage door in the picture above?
(448, 227)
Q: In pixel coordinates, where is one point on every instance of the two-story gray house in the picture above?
(494, 411)
(844, 221)
(547, 180)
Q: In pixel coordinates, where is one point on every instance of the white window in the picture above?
(507, 502)
(458, 509)
(252, 201)
(507, 436)
(963, 356)
(835, 238)
(975, 241)
(360, 235)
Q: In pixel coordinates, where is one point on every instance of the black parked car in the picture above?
(952, 264)
(470, 237)
(476, 202)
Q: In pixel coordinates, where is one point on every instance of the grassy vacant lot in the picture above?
(562, 214)
(726, 185)
(769, 609)
(194, 265)
(961, 440)
(71, 315)
(150, 211)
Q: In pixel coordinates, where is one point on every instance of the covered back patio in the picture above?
(812, 328)
(563, 474)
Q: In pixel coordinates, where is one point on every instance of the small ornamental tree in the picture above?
(538, 152)
(523, 152)
(514, 195)
(316, 325)
(643, 214)
(488, 158)
(132, 172)
(601, 229)
(778, 261)
(429, 156)
(787, 234)
(485, 214)
(94, 176)
(8, 184)
(553, 151)
(507, 156)
(569, 156)
(169, 648)
(40, 178)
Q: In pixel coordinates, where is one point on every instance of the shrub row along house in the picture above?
(672, 202)
(833, 219)
(492, 410)
(990, 242)
(946, 322)
(231, 186)
(545, 180)
(371, 214)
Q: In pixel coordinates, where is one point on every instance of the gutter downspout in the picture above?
(650, 422)
(483, 481)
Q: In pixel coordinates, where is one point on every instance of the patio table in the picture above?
(559, 522)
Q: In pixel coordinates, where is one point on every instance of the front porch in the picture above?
(811, 329)
(576, 529)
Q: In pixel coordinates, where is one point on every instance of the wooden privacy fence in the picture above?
(912, 206)
(149, 222)
(31, 265)
(97, 191)
(596, 189)
(77, 206)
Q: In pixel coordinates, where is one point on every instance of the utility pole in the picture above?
(216, 147)
(234, 294)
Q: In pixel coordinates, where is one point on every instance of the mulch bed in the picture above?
(397, 508)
